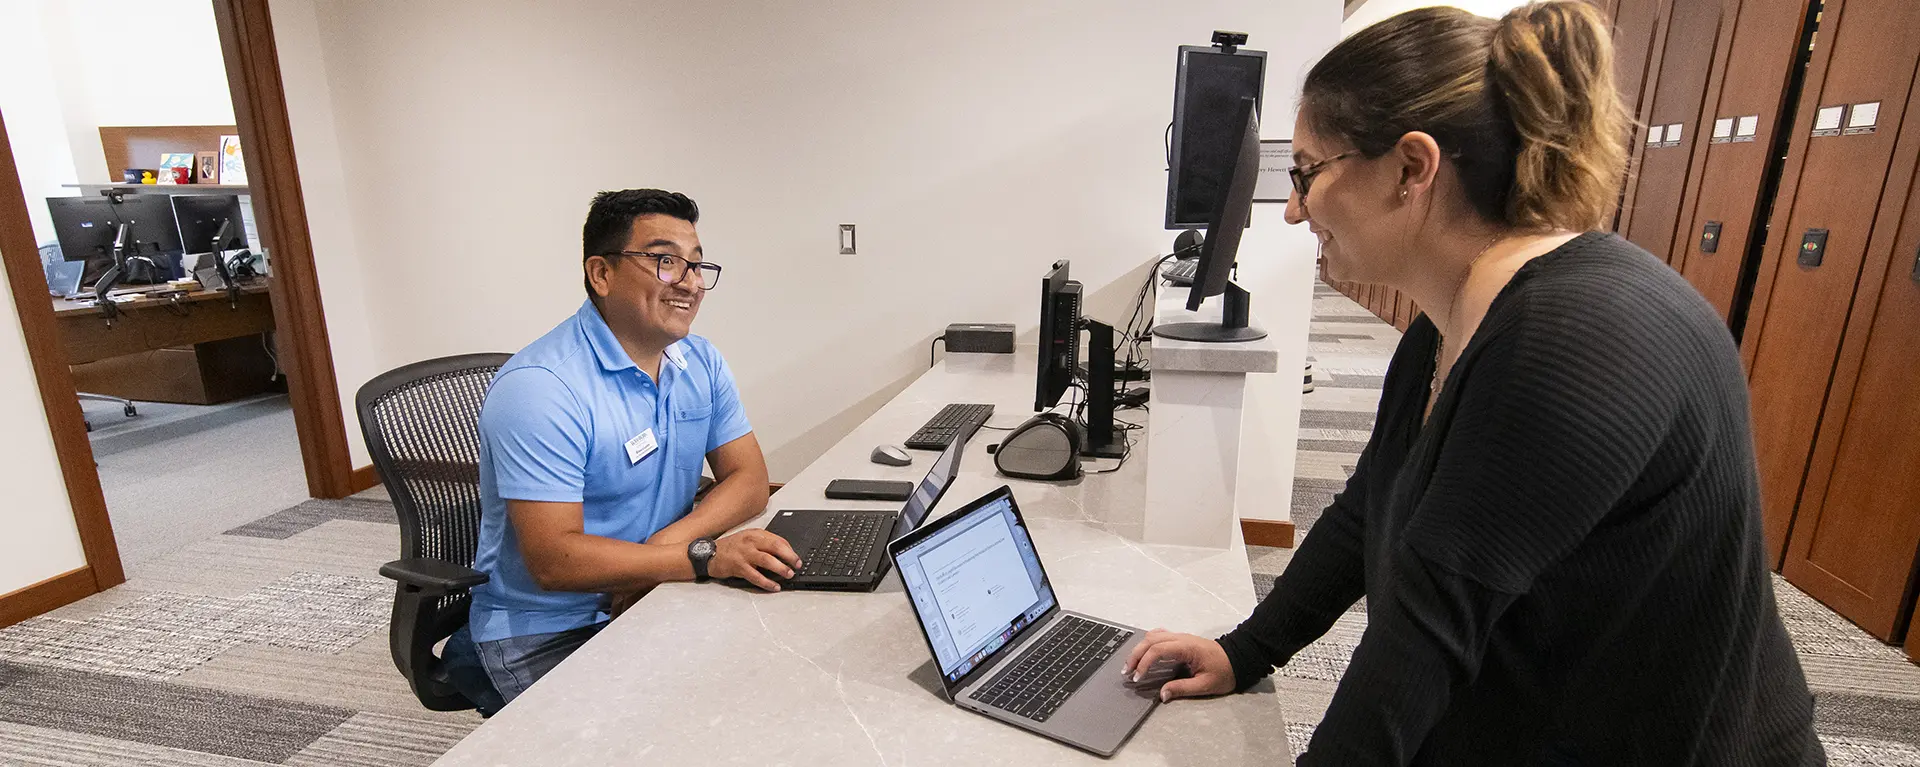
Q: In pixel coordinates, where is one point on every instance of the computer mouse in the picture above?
(890, 456)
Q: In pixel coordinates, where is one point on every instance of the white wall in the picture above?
(1374, 11)
(38, 539)
(972, 144)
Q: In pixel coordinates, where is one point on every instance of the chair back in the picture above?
(422, 427)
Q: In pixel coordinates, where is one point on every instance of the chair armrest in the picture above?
(433, 575)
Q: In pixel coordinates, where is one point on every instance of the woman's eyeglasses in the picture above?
(1302, 175)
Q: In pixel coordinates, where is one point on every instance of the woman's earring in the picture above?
(1403, 194)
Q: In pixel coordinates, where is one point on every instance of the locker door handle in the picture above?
(1813, 248)
(1916, 266)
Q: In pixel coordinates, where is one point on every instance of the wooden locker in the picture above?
(1753, 66)
(1857, 530)
(1866, 51)
(1674, 93)
(1913, 638)
(1635, 24)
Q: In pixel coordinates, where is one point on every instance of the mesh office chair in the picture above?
(422, 424)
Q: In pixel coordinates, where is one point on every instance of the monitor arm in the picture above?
(111, 279)
(220, 263)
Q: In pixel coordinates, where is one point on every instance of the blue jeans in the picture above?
(492, 674)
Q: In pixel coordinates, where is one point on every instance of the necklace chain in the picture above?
(1439, 349)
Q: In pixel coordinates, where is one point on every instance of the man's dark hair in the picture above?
(610, 219)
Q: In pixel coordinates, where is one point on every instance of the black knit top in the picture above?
(1564, 565)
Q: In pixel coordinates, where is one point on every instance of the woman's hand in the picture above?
(1208, 670)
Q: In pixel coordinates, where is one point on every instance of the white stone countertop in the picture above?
(1170, 306)
(711, 674)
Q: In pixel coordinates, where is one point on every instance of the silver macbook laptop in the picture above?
(1004, 647)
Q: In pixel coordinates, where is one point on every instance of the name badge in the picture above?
(641, 446)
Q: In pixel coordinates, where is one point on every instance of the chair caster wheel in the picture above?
(129, 411)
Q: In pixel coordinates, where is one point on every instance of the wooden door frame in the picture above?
(260, 112)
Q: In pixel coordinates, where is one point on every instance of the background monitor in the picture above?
(1208, 88)
(1213, 275)
(84, 226)
(200, 216)
(150, 224)
(1059, 336)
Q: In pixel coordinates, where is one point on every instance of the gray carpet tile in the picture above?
(162, 635)
(1337, 337)
(1349, 447)
(28, 746)
(313, 513)
(1864, 717)
(170, 715)
(113, 436)
(1336, 419)
(380, 740)
(1351, 382)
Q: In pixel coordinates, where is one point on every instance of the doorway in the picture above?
(268, 332)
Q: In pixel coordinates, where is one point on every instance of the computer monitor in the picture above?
(1059, 336)
(1208, 87)
(84, 226)
(201, 216)
(151, 228)
(1214, 274)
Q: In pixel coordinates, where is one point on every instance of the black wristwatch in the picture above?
(699, 552)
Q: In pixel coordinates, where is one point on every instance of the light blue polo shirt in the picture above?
(555, 427)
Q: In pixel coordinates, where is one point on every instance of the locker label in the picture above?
(1656, 134)
(1826, 122)
(1722, 130)
(1746, 127)
(1673, 133)
(1813, 248)
(1710, 237)
(1863, 119)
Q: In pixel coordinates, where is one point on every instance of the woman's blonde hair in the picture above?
(1525, 107)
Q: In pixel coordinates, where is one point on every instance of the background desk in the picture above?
(205, 351)
(706, 674)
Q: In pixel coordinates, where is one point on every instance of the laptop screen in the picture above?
(976, 584)
(932, 486)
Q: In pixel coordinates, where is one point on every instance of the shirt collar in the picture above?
(613, 357)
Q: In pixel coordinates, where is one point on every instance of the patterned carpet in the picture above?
(1867, 693)
(267, 644)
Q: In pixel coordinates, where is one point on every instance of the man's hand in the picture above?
(744, 554)
(1210, 673)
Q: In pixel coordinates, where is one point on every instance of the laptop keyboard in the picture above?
(1053, 668)
(846, 544)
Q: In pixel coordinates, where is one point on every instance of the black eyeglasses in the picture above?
(671, 269)
(1302, 175)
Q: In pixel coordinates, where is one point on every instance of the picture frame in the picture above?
(206, 167)
(1273, 183)
(233, 165)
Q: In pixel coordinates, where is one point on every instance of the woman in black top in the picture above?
(1556, 522)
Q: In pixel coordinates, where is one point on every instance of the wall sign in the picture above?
(1862, 119)
(1826, 122)
(1273, 183)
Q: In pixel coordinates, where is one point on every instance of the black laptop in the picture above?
(846, 550)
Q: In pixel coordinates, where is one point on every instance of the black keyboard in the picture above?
(847, 543)
(1053, 668)
(1182, 271)
(938, 432)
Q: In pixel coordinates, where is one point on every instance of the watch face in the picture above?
(703, 548)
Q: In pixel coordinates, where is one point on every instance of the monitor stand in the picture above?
(1232, 327)
(1103, 441)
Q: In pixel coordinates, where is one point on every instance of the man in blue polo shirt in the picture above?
(591, 444)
